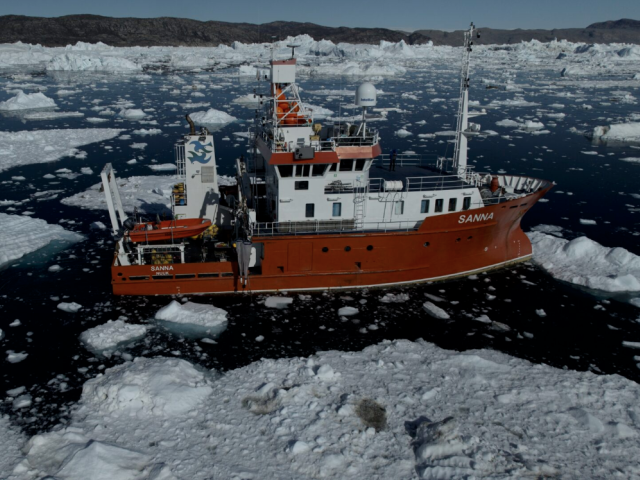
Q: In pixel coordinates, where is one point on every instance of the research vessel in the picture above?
(318, 207)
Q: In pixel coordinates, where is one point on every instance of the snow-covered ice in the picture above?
(395, 410)
(621, 132)
(69, 307)
(20, 235)
(435, 311)
(584, 262)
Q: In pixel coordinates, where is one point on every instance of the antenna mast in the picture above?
(460, 152)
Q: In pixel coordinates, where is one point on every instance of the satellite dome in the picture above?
(366, 95)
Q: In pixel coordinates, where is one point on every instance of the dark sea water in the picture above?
(581, 330)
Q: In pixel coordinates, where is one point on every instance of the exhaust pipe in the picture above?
(191, 124)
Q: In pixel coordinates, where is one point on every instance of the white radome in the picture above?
(366, 95)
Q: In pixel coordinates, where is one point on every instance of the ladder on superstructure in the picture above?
(359, 200)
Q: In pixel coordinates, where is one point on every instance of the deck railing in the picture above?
(311, 227)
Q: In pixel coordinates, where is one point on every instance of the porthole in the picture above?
(119, 274)
(469, 237)
(369, 247)
(325, 249)
(347, 248)
(426, 244)
(458, 239)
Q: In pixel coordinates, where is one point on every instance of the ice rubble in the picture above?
(106, 337)
(212, 116)
(584, 262)
(11, 442)
(41, 146)
(395, 410)
(27, 101)
(20, 235)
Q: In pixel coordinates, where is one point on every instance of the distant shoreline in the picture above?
(167, 31)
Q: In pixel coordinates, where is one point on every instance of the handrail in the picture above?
(337, 227)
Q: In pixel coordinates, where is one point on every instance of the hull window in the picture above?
(424, 206)
(302, 185)
(466, 203)
(399, 210)
(453, 203)
(439, 205)
(337, 209)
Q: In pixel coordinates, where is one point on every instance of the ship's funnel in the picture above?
(366, 95)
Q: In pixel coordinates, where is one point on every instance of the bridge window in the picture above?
(424, 206)
(453, 202)
(346, 165)
(334, 167)
(302, 185)
(303, 170)
(318, 170)
(439, 205)
(285, 171)
(399, 208)
(360, 164)
(337, 209)
(466, 203)
(309, 210)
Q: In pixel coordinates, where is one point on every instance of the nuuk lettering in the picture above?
(478, 217)
(162, 268)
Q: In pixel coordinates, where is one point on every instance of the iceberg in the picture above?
(72, 62)
(27, 101)
(212, 116)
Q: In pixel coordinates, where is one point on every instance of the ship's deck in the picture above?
(419, 177)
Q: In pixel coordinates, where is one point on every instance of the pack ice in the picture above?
(20, 235)
(398, 409)
(584, 262)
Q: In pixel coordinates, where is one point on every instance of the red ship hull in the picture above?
(168, 230)
(445, 246)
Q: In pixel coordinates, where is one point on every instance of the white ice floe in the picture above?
(621, 132)
(395, 410)
(16, 357)
(584, 262)
(20, 235)
(150, 131)
(132, 113)
(212, 117)
(162, 167)
(347, 311)
(69, 307)
(193, 314)
(111, 335)
(24, 101)
(435, 311)
(278, 302)
(41, 146)
(52, 115)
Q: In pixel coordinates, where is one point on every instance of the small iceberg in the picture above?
(193, 320)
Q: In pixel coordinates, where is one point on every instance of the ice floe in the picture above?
(394, 410)
(584, 262)
(42, 146)
(621, 132)
(111, 335)
(212, 116)
(20, 235)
